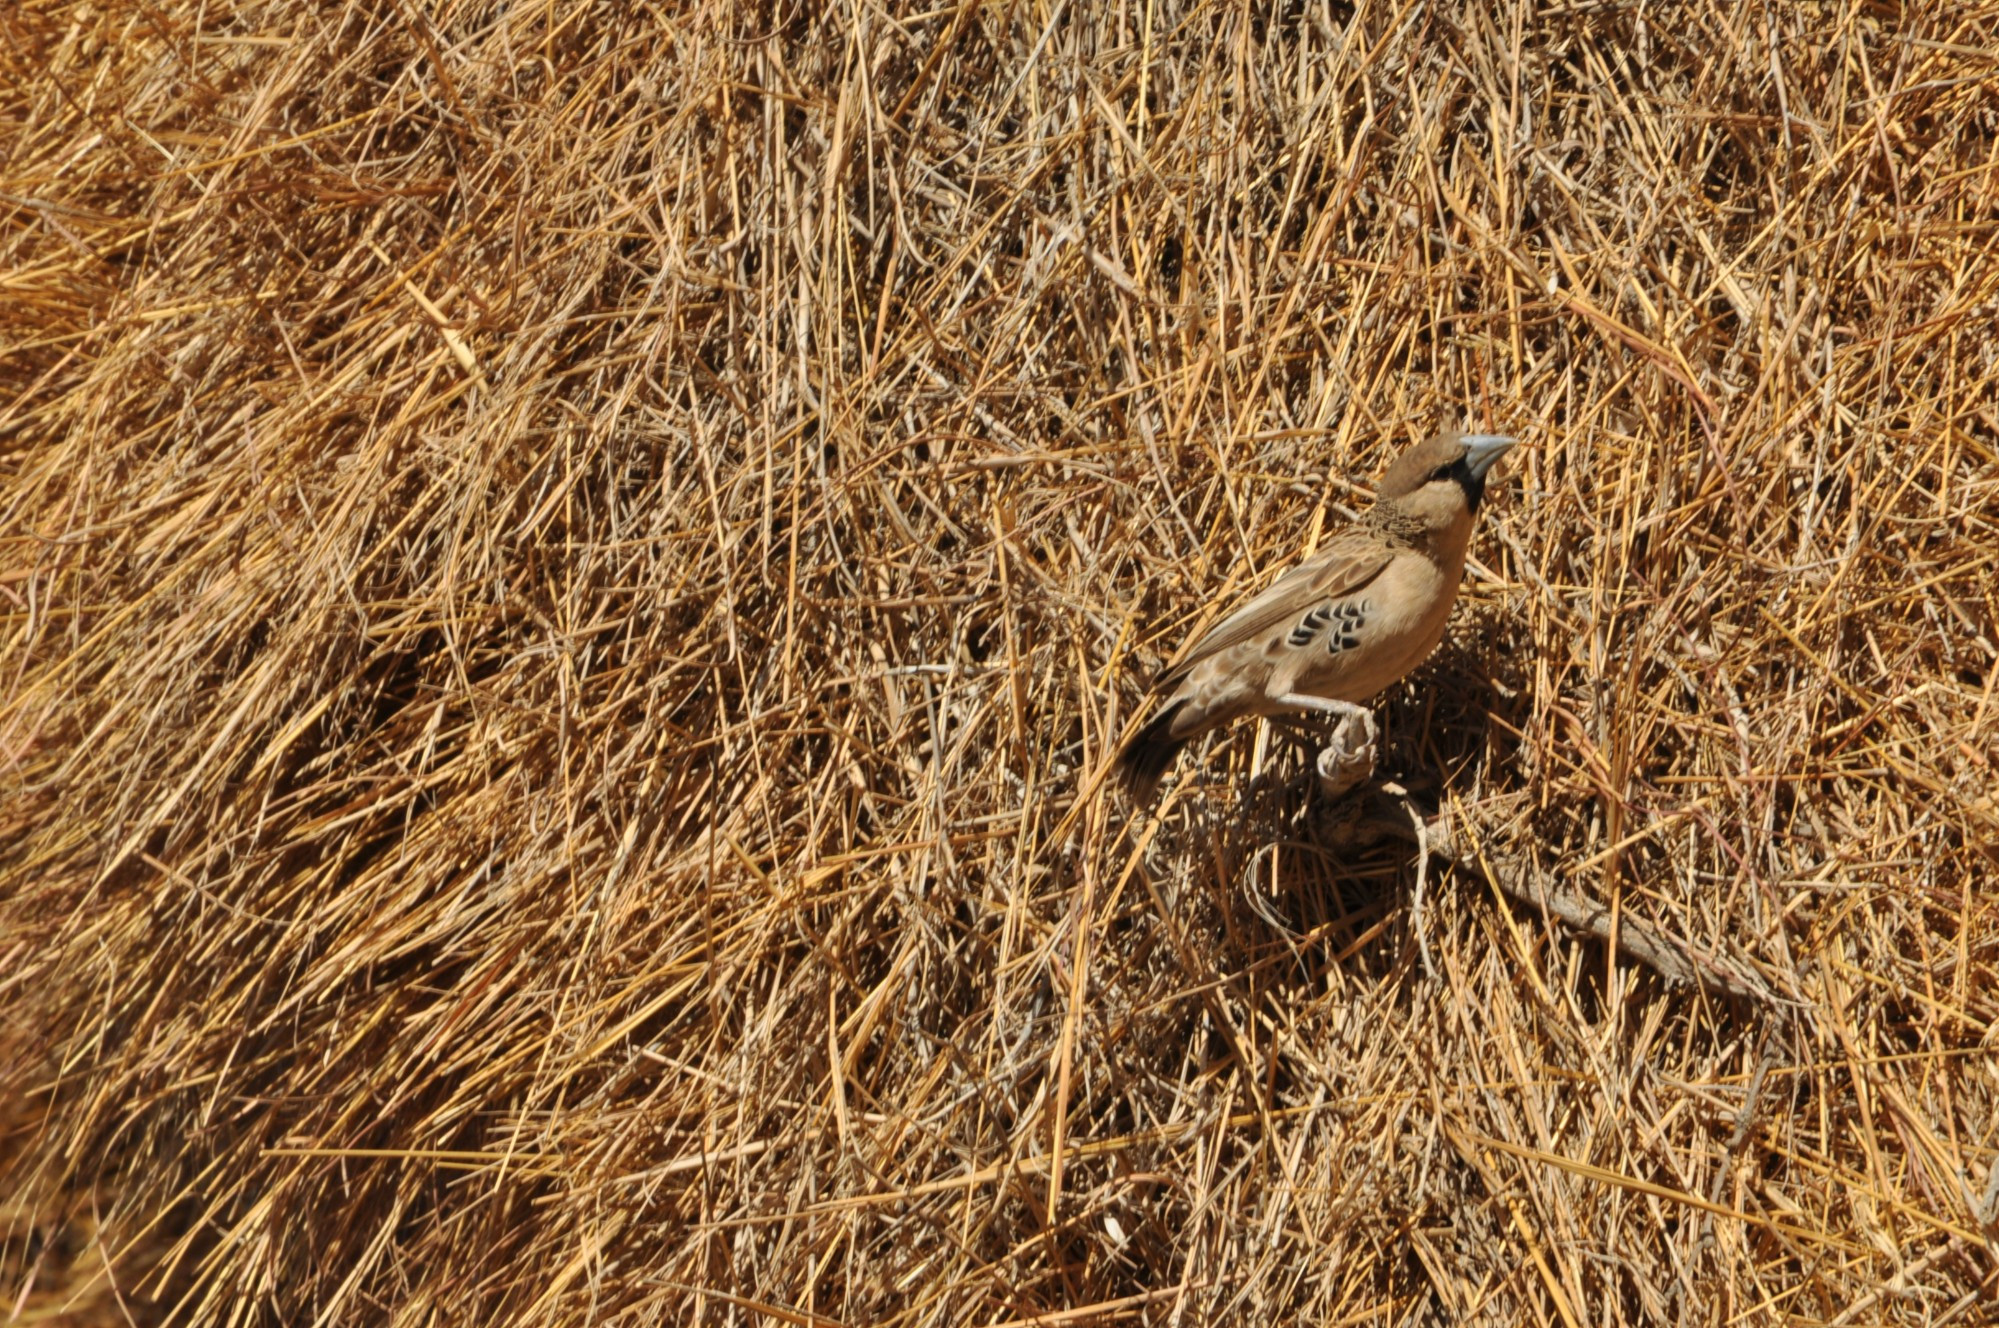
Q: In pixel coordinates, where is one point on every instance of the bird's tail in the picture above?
(1151, 749)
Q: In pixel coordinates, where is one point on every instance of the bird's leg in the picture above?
(1349, 761)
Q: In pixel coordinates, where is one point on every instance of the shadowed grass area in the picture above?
(571, 575)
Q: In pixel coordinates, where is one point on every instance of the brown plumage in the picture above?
(1340, 626)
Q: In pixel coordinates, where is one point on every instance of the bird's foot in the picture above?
(1348, 762)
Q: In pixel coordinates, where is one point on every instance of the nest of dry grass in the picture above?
(571, 573)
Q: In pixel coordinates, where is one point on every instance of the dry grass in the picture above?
(571, 572)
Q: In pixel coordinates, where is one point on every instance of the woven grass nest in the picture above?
(572, 573)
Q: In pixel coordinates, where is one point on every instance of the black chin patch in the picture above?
(1473, 485)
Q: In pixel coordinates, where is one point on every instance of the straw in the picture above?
(572, 575)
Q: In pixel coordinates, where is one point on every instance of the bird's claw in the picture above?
(1348, 761)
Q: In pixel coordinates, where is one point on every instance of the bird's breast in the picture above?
(1350, 649)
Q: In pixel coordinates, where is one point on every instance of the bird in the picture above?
(1341, 626)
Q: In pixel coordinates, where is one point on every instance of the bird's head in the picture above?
(1437, 484)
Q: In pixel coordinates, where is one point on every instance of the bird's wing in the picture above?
(1351, 559)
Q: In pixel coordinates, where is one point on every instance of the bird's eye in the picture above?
(1442, 472)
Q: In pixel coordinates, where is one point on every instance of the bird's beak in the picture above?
(1482, 450)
